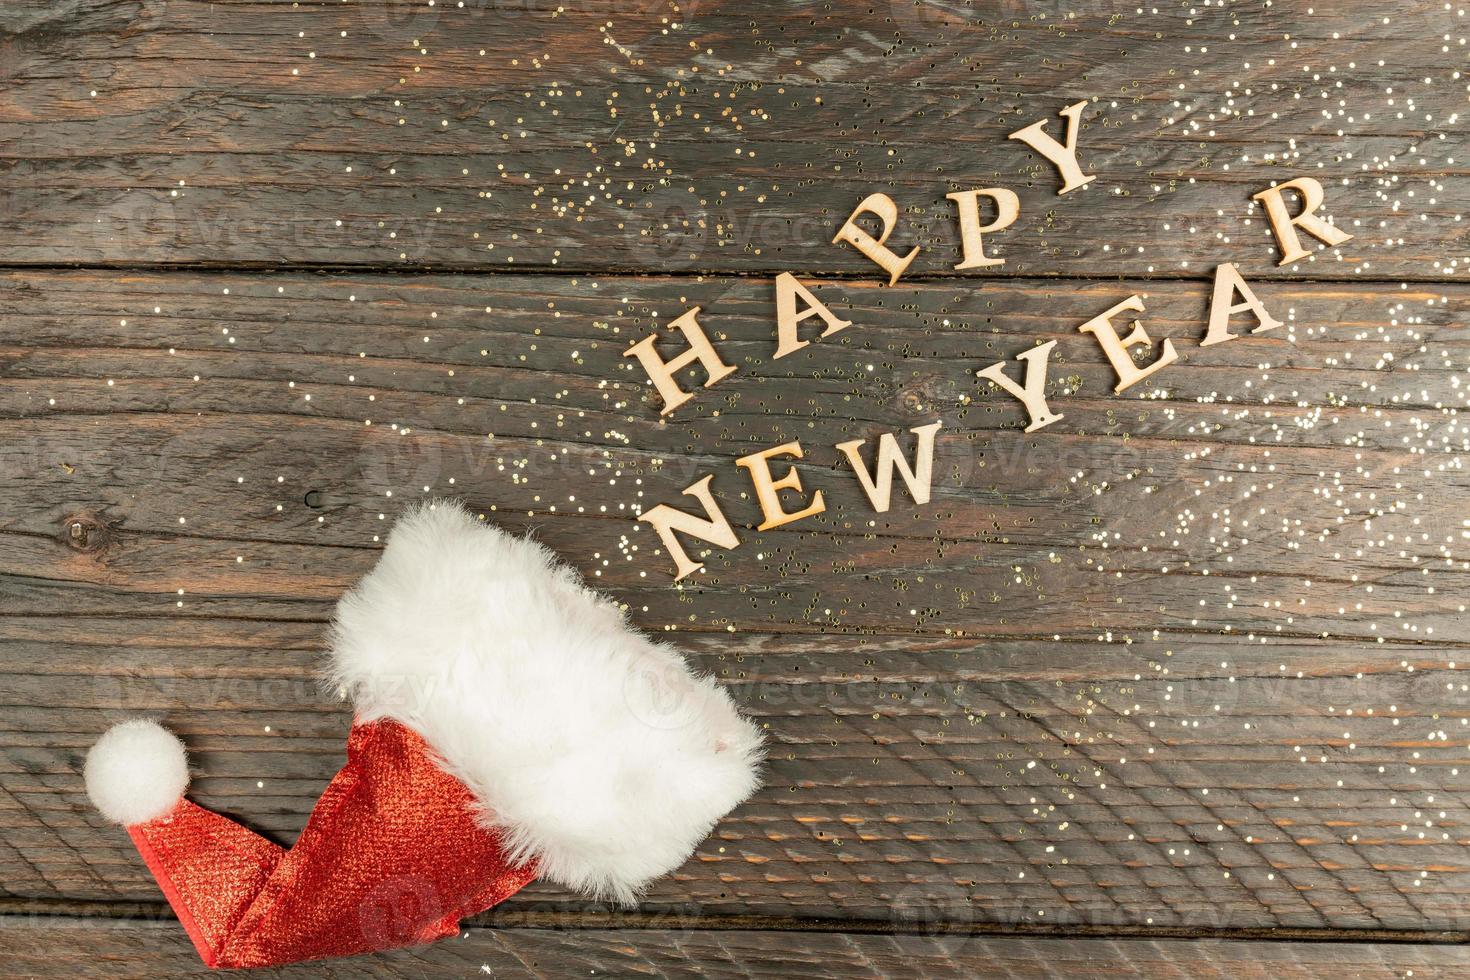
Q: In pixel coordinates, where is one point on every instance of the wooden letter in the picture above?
(661, 372)
(1033, 396)
(1007, 209)
(1228, 282)
(881, 205)
(917, 478)
(1063, 157)
(714, 528)
(765, 487)
(788, 287)
(1285, 226)
(1102, 328)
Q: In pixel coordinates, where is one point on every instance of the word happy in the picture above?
(796, 304)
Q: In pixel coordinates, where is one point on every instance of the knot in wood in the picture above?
(919, 397)
(87, 532)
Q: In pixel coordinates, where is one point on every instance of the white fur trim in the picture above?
(593, 750)
(136, 772)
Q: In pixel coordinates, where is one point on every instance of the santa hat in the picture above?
(510, 725)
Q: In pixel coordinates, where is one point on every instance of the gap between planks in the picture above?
(553, 919)
(567, 272)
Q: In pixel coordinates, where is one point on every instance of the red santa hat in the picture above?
(510, 725)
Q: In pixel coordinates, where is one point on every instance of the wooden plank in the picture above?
(720, 137)
(996, 709)
(907, 795)
(533, 411)
(123, 949)
(1187, 663)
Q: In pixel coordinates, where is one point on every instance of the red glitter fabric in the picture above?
(391, 857)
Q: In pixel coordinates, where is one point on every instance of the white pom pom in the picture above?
(136, 772)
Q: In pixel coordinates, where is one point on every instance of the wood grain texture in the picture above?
(649, 136)
(122, 950)
(1046, 724)
(1189, 662)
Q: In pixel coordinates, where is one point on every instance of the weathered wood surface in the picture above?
(123, 950)
(209, 407)
(1186, 663)
(646, 136)
(1010, 733)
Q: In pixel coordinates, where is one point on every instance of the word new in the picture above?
(795, 304)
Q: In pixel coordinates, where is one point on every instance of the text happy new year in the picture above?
(795, 304)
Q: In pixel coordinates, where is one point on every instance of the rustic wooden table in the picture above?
(1173, 687)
